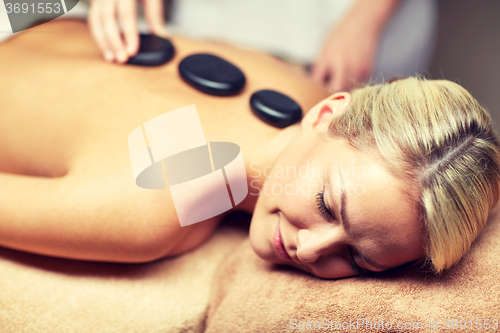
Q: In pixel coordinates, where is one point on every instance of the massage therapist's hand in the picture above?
(349, 51)
(113, 24)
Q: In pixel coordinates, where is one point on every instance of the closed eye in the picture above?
(330, 218)
(355, 267)
(320, 202)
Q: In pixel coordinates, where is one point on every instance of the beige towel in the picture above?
(43, 294)
(250, 295)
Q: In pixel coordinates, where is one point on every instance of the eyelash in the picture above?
(322, 208)
(327, 215)
(355, 267)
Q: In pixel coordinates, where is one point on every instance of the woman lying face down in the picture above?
(367, 181)
(332, 210)
(394, 173)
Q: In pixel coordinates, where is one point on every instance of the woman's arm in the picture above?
(88, 206)
(349, 50)
(90, 219)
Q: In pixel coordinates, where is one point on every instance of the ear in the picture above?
(321, 115)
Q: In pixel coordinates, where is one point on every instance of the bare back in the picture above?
(67, 114)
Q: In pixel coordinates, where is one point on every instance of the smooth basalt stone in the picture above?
(212, 75)
(153, 51)
(275, 109)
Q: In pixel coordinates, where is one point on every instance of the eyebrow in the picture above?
(345, 222)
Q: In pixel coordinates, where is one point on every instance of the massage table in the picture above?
(223, 286)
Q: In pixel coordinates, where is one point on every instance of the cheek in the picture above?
(295, 195)
(261, 228)
(333, 268)
(292, 175)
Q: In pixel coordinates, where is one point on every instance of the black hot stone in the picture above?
(212, 75)
(275, 109)
(153, 51)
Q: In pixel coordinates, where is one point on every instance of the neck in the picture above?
(280, 141)
(258, 169)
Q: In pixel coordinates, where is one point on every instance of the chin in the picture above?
(259, 240)
(260, 247)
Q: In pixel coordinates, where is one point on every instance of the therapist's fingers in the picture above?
(96, 30)
(318, 72)
(321, 72)
(153, 12)
(339, 82)
(111, 30)
(127, 12)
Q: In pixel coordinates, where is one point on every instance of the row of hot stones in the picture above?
(213, 75)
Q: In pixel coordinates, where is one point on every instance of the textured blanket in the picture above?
(43, 294)
(250, 295)
(245, 294)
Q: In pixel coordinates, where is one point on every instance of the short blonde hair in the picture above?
(436, 137)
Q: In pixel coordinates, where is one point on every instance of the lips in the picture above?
(278, 244)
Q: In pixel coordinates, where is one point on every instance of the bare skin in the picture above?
(67, 184)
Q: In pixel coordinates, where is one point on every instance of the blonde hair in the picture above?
(436, 137)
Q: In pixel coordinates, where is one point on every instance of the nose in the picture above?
(313, 243)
